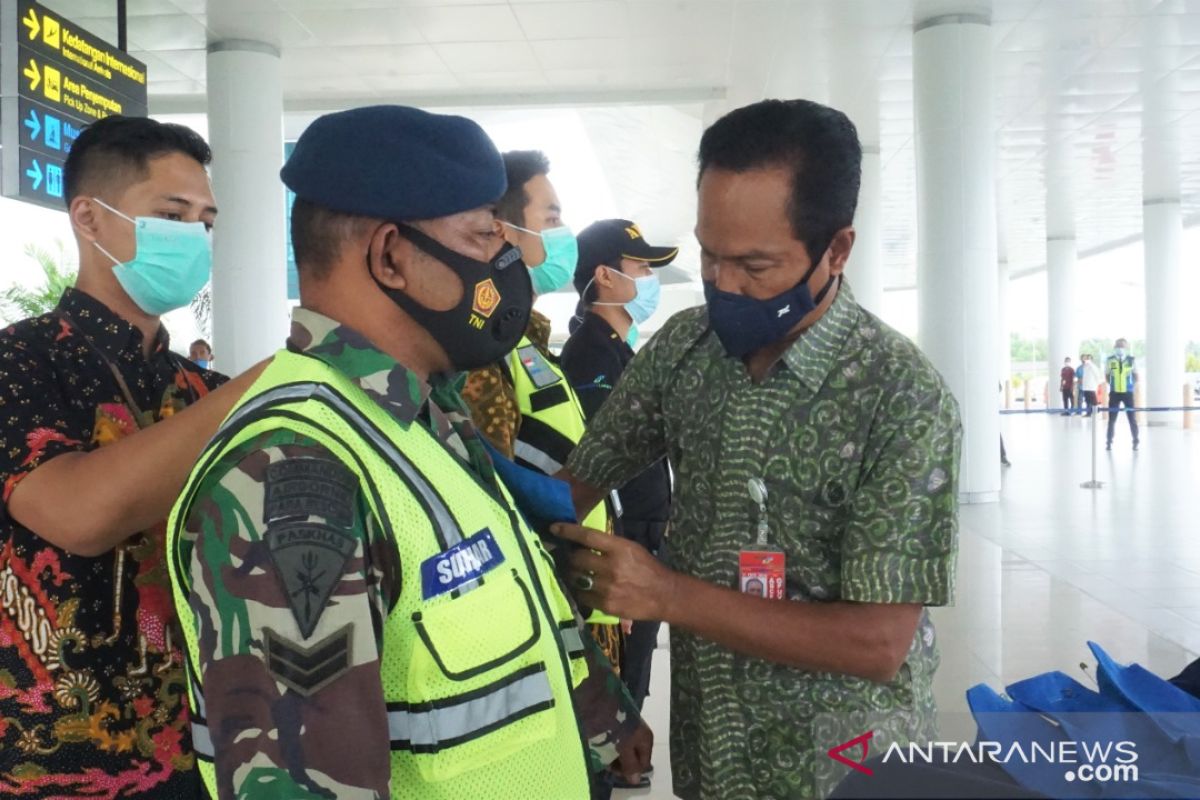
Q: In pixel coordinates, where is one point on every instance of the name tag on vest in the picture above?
(467, 561)
(536, 367)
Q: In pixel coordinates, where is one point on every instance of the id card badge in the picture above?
(761, 573)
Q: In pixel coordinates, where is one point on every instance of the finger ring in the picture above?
(585, 582)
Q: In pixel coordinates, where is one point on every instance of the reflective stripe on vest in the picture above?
(453, 721)
(524, 451)
(447, 723)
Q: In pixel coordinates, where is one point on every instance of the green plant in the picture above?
(19, 302)
(1026, 350)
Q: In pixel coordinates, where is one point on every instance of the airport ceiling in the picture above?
(1082, 89)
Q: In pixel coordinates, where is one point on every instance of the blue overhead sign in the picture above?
(55, 79)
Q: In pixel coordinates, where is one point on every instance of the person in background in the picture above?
(528, 216)
(99, 424)
(797, 423)
(1066, 385)
(1121, 374)
(200, 354)
(618, 290)
(523, 403)
(1090, 379)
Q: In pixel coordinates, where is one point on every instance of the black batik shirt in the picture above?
(92, 693)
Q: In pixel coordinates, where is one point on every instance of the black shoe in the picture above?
(617, 781)
(1108, 446)
(1135, 444)
(1005, 463)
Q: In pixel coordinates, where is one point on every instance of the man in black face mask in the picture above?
(816, 453)
(366, 613)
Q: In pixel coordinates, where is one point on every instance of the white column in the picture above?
(1003, 322)
(1060, 294)
(956, 235)
(865, 269)
(245, 124)
(1165, 347)
(1003, 325)
(1162, 152)
(1063, 340)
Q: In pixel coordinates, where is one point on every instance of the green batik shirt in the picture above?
(279, 734)
(857, 439)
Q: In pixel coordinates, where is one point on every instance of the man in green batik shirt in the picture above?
(852, 440)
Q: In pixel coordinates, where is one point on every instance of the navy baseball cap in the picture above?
(608, 241)
(395, 163)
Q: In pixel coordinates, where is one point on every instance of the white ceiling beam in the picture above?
(550, 98)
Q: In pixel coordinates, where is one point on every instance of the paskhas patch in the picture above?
(467, 561)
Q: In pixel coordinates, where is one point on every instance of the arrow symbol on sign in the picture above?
(34, 75)
(34, 173)
(34, 124)
(31, 22)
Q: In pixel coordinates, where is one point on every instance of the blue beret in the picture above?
(395, 163)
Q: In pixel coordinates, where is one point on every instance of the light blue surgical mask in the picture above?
(634, 335)
(562, 253)
(202, 363)
(1119, 352)
(171, 264)
(645, 302)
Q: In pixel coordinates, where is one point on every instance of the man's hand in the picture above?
(620, 578)
(633, 755)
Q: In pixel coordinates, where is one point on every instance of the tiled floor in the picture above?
(1054, 565)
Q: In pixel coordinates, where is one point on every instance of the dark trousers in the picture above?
(1114, 404)
(1090, 399)
(1068, 399)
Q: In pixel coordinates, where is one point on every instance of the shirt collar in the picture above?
(390, 384)
(812, 355)
(112, 335)
(603, 329)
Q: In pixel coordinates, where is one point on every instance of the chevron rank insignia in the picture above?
(308, 670)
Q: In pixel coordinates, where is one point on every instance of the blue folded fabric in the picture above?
(1132, 705)
(1173, 710)
(542, 500)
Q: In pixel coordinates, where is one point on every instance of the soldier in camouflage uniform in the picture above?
(289, 574)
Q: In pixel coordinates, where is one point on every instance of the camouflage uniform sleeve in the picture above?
(607, 713)
(489, 395)
(289, 591)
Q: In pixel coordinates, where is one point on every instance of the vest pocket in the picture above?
(481, 630)
(479, 685)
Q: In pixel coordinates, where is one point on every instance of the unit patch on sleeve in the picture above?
(309, 559)
(310, 487)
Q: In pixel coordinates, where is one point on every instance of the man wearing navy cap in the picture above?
(366, 614)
